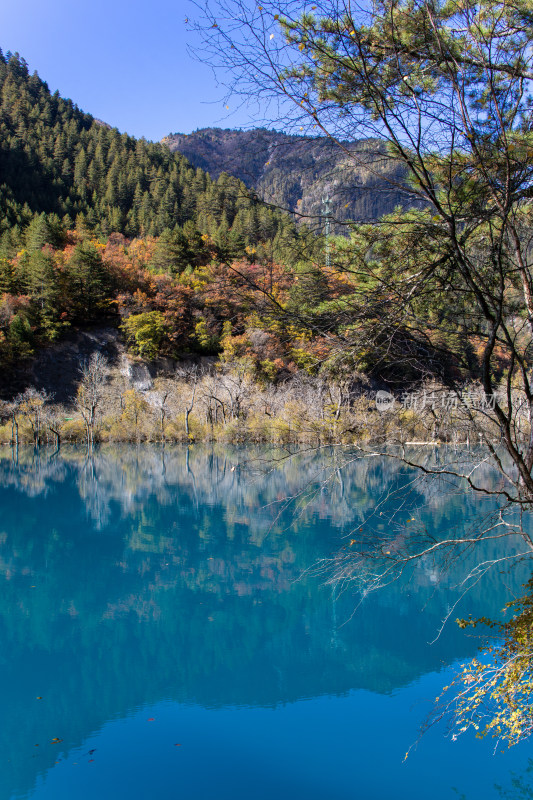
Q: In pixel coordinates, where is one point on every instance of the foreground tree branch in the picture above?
(441, 290)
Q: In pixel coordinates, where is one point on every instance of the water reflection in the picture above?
(145, 574)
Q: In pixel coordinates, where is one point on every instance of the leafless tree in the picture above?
(160, 399)
(91, 389)
(10, 410)
(31, 405)
(191, 375)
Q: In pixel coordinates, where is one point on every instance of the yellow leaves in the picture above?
(301, 46)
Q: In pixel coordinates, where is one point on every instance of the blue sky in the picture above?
(124, 61)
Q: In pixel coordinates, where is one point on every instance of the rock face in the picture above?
(137, 373)
(296, 172)
(56, 368)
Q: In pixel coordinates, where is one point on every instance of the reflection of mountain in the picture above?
(140, 575)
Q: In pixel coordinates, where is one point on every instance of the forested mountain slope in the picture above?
(295, 172)
(98, 229)
(58, 160)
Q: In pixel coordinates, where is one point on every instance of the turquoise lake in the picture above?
(165, 618)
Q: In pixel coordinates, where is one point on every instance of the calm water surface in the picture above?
(160, 616)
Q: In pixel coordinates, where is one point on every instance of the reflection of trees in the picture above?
(521, 787)
(161, 576)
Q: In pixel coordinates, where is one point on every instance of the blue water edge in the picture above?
(169, 629)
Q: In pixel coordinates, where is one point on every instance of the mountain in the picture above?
(97, 227)
(57, 160)
(296, 172)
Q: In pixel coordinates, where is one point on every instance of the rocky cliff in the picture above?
(296, 172)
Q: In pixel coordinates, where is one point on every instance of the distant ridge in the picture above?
(295, 172)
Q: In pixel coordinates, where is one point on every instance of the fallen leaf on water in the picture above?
(177, 745)
(91, 759)
(55, 740)
(151, 719)
(39, 698)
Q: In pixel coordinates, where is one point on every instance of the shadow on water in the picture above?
(142, 574)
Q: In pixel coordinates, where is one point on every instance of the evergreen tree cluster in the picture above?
(57, 160)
